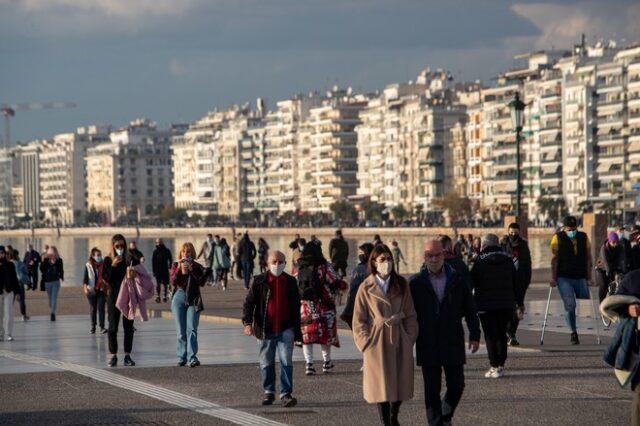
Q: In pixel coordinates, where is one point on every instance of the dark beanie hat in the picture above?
(2, 249)
(570, 221)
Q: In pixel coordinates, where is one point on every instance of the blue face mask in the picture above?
(572, 234)
(98, 259)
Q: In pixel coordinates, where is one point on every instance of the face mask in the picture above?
(362, 258)
(276, 270)
(514, 238)
(572, 234)
(98, 259)
(383, 268)
(119, 251)
(301, 248)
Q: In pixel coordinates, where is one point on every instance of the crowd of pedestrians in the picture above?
(477, 282)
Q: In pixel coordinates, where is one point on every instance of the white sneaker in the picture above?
(10, 339)
(499, 372)
(491, 373)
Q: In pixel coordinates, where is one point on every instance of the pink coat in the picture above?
(133, 294)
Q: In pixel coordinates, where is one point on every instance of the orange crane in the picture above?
(9, 110)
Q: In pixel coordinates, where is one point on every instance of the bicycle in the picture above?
(613, 288)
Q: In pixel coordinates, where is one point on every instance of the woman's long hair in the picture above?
(125, 254)
(396, 281)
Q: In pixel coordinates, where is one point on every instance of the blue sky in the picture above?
(173, 61)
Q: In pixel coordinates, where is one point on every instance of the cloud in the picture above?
(561, 25)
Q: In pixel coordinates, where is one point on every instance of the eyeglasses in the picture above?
(432, 255)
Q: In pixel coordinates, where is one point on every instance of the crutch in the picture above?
(546, 313)
(595, 316)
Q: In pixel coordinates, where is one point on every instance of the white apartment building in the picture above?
(130, 176)
(62, 173)
(327, 151)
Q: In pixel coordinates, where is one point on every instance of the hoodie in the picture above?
(495, 281)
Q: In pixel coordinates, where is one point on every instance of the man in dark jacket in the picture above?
(339, 253)
(442, 298)
(246, 253)
(271, 312)
(9, 291)
(135, 253)
(612, 260)
(518, 249)
(497, 290)
(161, 265)
(358, 275)
(32, 259)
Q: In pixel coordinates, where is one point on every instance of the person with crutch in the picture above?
(571, 269)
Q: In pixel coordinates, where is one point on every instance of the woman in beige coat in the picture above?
(385, 329)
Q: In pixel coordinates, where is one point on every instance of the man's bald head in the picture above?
(434, 256)
(275, 257)
(433, 245)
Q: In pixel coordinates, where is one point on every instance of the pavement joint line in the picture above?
(156, 392)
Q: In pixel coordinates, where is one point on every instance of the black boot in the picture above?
(384, 410)
(395, 411)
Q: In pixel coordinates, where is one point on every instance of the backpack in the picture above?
(23, 274)
(309, 284)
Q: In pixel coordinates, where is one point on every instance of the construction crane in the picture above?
(9, 110)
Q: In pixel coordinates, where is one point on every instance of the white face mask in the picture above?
(383, 268)
(119, 251)
(276, 270)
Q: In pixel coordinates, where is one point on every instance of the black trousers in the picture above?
(162, 281)
(494, 325)
(512, 327)
(114, 321)
(96, 308)
(33, 274)
(439, 411)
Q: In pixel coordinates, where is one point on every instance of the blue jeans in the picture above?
(247, 267)
(53, 288)
(23, 303)
(570, 289)
(283, 342)
(187, 319)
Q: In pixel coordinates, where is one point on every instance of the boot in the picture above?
(395, 411)
(384, 410)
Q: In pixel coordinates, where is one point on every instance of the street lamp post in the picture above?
(517, 119)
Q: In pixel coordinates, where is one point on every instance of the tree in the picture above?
(457, 207)
(343, 210)
(172, 213)
(372, 210)
(399, 212)
(552, 208)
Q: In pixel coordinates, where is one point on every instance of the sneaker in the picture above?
(193, 364)
(9, 338)
(128, 361)
(268, 399)
(224, 288)
(491, 373)
(182, 363)
(25, 318)
(499, 372)
(103, 330)
(164, 299)
(288, 400)
(574, 338)
(53, 317)
(93, 330)
(327, 366)
(157, 299)
(513, 341)
(309, 370)
(113, 361)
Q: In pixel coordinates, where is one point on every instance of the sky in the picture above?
(174, 60)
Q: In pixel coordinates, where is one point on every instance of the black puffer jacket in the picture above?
(495, 281)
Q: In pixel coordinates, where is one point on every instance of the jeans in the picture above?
(187, 319)
(6, 313)
(23, 303)
(439, 411)
(96, 307)
(247, 266)
(570, 289)
(53, 288)
(283, 342)
(114, 321)
(494, 325)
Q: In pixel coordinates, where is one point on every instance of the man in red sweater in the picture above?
(271, 312)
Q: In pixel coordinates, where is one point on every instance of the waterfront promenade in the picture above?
(55, 373)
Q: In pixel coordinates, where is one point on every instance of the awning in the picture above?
(603, 167)
(634, 146)
(548, 169)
